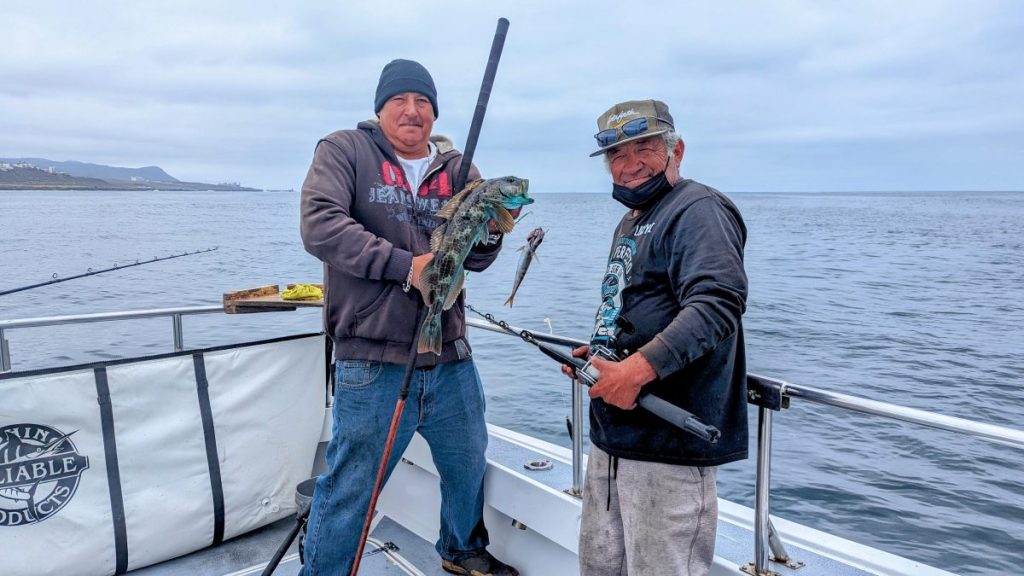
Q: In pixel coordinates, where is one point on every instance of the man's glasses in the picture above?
(632, 128)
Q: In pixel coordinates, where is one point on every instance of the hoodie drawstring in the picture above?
(613, 468)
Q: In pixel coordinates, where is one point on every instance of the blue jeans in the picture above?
(446, 406)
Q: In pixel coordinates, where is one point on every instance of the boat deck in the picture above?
(396, 549)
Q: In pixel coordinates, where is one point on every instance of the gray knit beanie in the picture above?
(401, 76)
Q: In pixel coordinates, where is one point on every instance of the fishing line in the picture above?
(566, 401)
(588, 374)
(56, 279)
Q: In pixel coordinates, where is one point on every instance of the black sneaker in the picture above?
(482, 564)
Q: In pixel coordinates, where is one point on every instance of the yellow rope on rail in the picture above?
(303, 292)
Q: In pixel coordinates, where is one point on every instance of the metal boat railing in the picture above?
(768, 394)
(175, 313)
(771, 395)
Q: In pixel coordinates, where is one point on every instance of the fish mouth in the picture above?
(517, 201)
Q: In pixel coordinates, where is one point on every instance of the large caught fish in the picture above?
(529, 252)
(466, 216)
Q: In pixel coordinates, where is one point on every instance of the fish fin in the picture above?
(503, 219)
(437, 237)
(510, 298)
(453, 292)
(423, 280)
(521, 248)
(449, 209)
(452, 205)
(472, 185)
(430, 335)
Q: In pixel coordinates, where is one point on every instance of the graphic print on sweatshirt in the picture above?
(393, 192)
(620, 270)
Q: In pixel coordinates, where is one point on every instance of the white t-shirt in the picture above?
(416, 169)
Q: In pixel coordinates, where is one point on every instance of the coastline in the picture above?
(170, 187)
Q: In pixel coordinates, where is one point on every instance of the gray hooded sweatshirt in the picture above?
(362, 221)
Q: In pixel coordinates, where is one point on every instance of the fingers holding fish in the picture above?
(419, 263)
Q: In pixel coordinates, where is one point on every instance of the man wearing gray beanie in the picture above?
(367, 212)
(401, 76)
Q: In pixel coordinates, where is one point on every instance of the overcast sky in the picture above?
(781, 96)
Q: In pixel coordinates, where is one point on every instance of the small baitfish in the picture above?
(529, 252)
(466, 216)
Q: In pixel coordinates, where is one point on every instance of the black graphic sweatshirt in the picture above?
(676, 283)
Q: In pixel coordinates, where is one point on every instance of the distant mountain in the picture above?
(86, 170)
(43, 174)
(18, 177)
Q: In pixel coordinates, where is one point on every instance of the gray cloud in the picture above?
(797, 95)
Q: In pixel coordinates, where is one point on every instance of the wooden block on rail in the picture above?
(263, 299)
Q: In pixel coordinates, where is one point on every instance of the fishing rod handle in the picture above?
(675, 415)
(588, 374)
(659, 407)
(559, 356)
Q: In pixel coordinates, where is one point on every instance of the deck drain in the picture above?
(538, 465)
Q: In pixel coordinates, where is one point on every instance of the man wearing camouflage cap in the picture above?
(672, 301)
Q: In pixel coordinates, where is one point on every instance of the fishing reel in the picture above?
(588, 373)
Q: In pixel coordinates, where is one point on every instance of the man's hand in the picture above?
(581, 352)
(620, 382)
(418, 264)
(493, 229)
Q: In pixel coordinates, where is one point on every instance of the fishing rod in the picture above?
(90, 272)
(421, 311)
(481, 103)
(587, 373)
(460, 182)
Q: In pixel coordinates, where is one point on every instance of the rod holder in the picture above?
(5, 353)
(577, 438)
(762, 522)
(179, 340)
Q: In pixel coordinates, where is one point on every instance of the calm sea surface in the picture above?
(911, 298)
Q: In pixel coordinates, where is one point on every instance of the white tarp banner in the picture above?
(114, 467)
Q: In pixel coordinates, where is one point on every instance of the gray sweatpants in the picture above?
(646, 518)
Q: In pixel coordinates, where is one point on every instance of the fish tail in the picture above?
(430, 335)
(510, 298)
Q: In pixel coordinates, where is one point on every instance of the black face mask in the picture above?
(643, 196)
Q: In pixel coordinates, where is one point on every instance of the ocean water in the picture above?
(911, 298)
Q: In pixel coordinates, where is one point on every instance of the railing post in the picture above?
(577, 437)
(761, 506)
(5, 353)
(179, 341)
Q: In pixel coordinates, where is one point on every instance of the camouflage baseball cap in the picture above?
(632, 120)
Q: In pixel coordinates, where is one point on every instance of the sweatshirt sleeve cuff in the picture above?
(661, 357)
(489, 245)
(397, 269)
